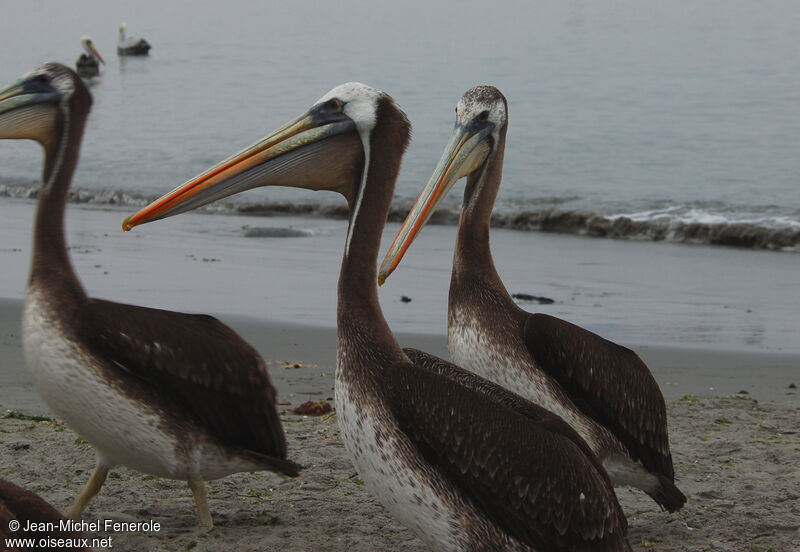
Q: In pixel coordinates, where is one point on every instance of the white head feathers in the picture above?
(478, 100)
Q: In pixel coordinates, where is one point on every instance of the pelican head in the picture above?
(91, 51)
(36, 105)
(325, 148)
(481, 122)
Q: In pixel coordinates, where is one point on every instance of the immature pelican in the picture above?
(131, 46)
(88, 64)
(604, 391)
(462, 462)
(171, 394)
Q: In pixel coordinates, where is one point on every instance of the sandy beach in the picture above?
(735, 458)
(715, 324)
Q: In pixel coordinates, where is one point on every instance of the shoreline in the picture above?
(764, 376)
(632, 293)
(651, 225)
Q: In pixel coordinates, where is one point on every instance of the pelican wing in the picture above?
(608, 382)
(518, 463)
(195, 361)
(134, 44)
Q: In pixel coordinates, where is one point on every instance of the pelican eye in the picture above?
(483, 116)
(335, 105)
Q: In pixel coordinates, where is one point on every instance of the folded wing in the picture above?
(195, 361)
(520, 464)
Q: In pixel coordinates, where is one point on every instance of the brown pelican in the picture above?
(131, 46)
(604, 391)
(18, 505)
(88, 64)
(462, 462)
(176, 395)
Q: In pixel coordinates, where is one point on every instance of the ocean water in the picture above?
(675, 121)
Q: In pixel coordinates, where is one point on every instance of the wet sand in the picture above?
(634, 293)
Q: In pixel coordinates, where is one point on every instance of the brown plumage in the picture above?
(608, 382)
(199, 364)
(605, 391)
(471, 429)
(24, 506)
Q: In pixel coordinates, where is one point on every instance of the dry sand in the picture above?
(736, 459)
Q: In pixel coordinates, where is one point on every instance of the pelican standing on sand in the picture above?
(463, 463)
(131, 46)
(88, 64)
(604, 391)
(179, 396)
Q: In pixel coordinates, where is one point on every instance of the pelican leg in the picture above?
(198, 487)
(89, 491)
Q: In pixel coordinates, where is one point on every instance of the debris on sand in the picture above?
(537, 298)
(313, 408)
(291, 365)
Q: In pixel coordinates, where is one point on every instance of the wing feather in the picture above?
(609, 382)
(519, 463)
(195, 361)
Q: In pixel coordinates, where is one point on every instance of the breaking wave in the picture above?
(672, 224)
(752, 235)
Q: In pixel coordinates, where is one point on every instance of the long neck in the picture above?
(360, 318)
(473, 257)
(51, 262)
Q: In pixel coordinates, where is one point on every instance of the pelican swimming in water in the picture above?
(24, 507)
(463, 463)
(88, 64)
(179, 396)
(131, 46)
(604, 391)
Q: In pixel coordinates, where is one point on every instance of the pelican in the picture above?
(463, 463)
(604, 391)
(24, 507)
(88, 64)
(131, 46)
(175, 395)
